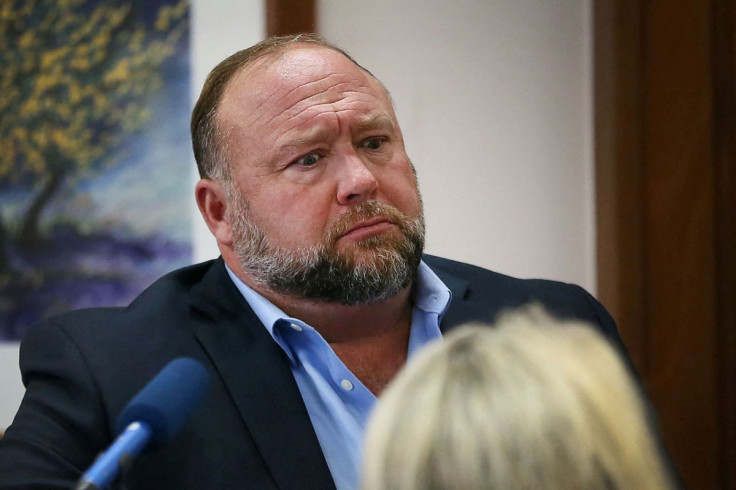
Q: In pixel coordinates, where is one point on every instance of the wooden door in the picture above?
(665, 90)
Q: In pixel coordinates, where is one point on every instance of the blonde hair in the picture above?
(532, 403)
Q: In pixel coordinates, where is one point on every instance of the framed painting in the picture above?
(95, 159)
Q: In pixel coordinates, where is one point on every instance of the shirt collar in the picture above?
(268, 313)
(429, 294)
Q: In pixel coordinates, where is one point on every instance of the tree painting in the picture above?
(94, 162)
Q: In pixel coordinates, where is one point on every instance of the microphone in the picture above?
(153, 416)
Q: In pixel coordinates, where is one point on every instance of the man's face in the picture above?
(323, 201)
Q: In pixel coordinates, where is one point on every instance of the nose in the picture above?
(356, 182)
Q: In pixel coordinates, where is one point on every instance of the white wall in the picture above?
(219, 28)
(494, 98)
(10, 384)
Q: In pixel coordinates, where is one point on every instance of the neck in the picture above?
(348, 324)
(371, 340)
(337, 323)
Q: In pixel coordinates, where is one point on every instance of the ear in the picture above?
(212, 203)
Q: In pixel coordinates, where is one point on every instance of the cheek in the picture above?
(399, 186)
(293, 217)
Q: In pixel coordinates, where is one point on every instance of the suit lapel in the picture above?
(462, 309)
(257, 375)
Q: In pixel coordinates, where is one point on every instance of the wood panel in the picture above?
(665, 89)
(679, 203)
(725, 159)
(290, 17)
(619, 171)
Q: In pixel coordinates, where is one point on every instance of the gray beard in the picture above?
(388, 264)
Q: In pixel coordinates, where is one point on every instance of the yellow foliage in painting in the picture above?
(50, 58)
(119, 73)
(19, 133)
(68, 4)
(75, 92)
(64, 110)
(47, 81)
(6, 165)
(6, 12)
(75, 76)
(136, 41)
(30, 108)
(26, 40)
(168, 15)
(39, 138)
(80, 64)
(34, 159)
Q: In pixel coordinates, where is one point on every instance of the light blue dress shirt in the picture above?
(337, 402)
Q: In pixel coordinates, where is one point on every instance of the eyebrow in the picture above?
(302, 141)
(377, 121)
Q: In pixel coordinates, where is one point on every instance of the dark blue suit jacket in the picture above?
(253, 430)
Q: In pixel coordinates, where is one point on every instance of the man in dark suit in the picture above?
(321, 294)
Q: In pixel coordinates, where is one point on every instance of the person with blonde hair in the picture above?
(533, 403)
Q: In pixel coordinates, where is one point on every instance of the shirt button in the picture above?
(296, 327)
(346, 385)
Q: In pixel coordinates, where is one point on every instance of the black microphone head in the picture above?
(168, 400)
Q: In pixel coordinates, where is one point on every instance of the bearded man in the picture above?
(320, 296)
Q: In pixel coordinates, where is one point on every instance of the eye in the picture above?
(373, 143)
(308, 160)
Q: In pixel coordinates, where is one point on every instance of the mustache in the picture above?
(363, 211)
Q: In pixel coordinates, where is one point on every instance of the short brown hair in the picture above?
(206, 140)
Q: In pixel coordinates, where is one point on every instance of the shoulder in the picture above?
(484, 281)
(167, 288)
(155, 321)
(480, 294)
(115, 348)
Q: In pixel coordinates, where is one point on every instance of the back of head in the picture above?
(533, 403)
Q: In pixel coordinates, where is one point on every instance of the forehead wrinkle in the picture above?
(360, 98)
(307, 85)
(375, 120)
(272, 99)
(366, 122)
(296, 115)
(259, 106)
(331, 95)
(298, 111)
(313, 133)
